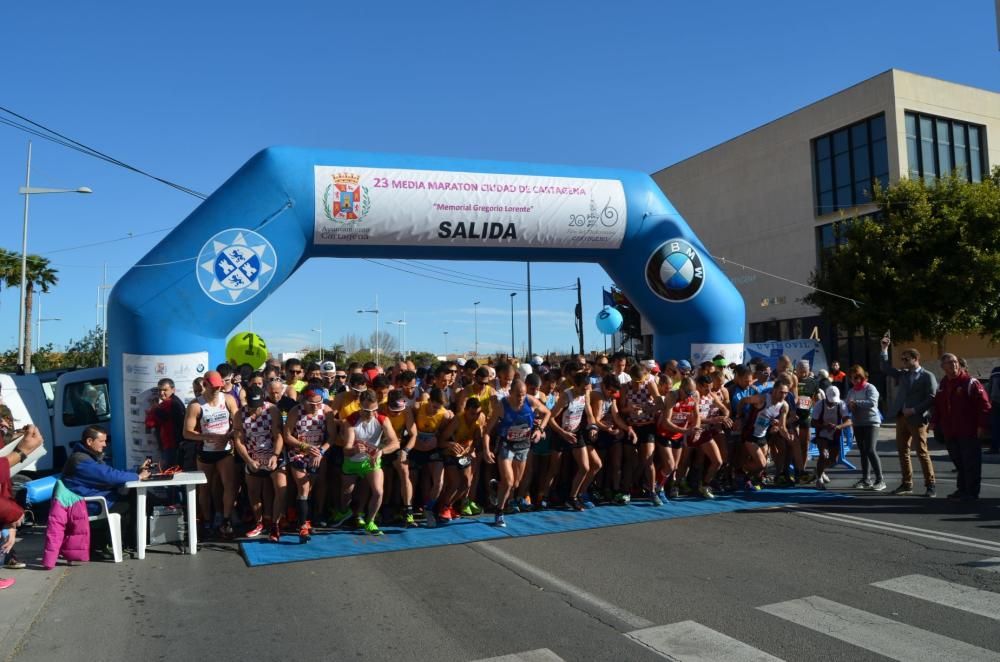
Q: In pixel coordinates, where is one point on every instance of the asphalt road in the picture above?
(573, 596)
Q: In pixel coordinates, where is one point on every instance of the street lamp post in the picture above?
(400, 329)
(512, 295)
(377, 325)
(27, 191)
(445, 345)
(475, 313)
(320, 331)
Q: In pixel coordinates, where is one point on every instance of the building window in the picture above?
(846, 161)
(937, 146)
(831, 235)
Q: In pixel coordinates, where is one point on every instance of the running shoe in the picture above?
(340, 516)
(305, 531)
(13, 563)
(409, 522)
(675, 492)
(706, 492)
(587, 502)
(903, 490)
(878, 487)
(444, 514)
(618, 499)
(512, 507)
(750, 486)
(820, 485)
(226, 529)
(538, 507)
(255, 531)
(626, 499)
(371, 528)
(826, 479)
(655, 498)
(7, 583)
(474, 508)
(663, 495)
(500, 521)
(430, 521)
(931, 492)
(359, 522)
(862, 485)
(492, 490)
(465, 511)
(275, 534)
(576, 504)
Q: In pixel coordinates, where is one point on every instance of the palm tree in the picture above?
(40, 276)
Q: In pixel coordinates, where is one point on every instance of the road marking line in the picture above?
(521, 566)
(689, 641)
(903, 529)
(540, 655)
(949, 594)
(884, 636)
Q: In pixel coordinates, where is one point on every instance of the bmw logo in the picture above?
(675, 271)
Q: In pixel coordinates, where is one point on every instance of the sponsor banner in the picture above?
(732, 352)
(382, 206)
(140, 373)
(810, 350)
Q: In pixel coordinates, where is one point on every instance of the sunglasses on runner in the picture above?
(370, 411)
(340, 376)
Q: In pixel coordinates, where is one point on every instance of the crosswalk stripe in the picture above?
(884, 636)
(539, 655)
(688, 641)
(990, 565)
(949, 594)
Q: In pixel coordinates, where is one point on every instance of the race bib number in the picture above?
(804, 402)
(680, 418)
(518, 433)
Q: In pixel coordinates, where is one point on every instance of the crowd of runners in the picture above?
(295, 446)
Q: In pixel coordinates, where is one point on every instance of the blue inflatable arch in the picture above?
(169, 316)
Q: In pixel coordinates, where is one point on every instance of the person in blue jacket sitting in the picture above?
(86, 474)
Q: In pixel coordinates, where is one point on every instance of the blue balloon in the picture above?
(609, 320)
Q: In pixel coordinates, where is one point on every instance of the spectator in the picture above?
(166, 418)
(862, 400)
(910, 409)
(11, 514)
(838, 377)
(960, 409)
(995, 411)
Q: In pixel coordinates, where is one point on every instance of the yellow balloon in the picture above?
(246, 347)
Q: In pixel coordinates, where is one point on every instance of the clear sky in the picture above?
(190, 90)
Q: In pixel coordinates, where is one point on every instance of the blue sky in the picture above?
(189, 91)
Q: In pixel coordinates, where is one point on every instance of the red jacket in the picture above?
(960, 407)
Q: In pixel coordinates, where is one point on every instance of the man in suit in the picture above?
(910, 409)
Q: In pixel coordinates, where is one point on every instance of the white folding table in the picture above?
(190, 480)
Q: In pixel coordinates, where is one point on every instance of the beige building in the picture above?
(772, 197)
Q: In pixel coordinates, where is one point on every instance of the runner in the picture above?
(309, 429)
(480, 389)
(830, 416)
(403, 424)
(367, 435)
(807, 394)
(257, 435)
(612, 433)
(643, 403)
(460, 438)
(714, 421)
(573, 420)
(426, 458)
(542, 455)
(519, 420)
(209, 420)
(677, 426)
(770, 424)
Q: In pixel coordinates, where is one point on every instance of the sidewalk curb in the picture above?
(32, 601)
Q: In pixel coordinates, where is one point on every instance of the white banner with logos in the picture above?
(732, 352)
(140, 374)
(382, 206)
(797, 350)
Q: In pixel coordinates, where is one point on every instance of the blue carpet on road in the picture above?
(351, 543)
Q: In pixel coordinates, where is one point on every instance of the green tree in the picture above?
(85, 352)
(925, 265)
(40, 276)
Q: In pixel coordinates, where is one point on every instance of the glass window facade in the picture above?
(846, 161)
(937, 146)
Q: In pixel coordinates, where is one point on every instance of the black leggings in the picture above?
(867, 438)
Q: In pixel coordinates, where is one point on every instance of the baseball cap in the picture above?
(328, 366)
(370, 374)
(652, 365)
(536, 360)
(314, 392)
(460, 362)
(684, 364)
(832, 394)
(213, 379)
(720, 362)
(255, 396)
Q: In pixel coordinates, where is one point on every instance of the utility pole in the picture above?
(512, 295)
(530, 352)
(475, 313)
(103, 292)
(579, 314)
